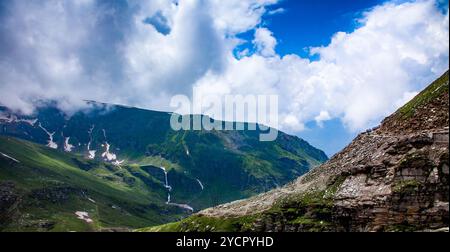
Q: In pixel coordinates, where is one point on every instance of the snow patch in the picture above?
(107, 155)
(118, 162)
(50, 144)
(5, 118)
(67, 146)
(14, 119)
(83, 216)
(184, 206)
(91, 152)
(31, 122)
(9, 157)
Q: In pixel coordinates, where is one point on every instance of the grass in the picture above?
(434, 90)
(312, 211)
(206, 224)
(41, 168)
(404, 186)
(231, 165)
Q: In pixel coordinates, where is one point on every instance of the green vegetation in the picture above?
(204, 168)
(311, 210)
(434, 90)
(406, 186)
(50, 186)
(316, 211)
(235, 160)
(206, 224)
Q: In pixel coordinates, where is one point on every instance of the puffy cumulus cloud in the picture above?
(361, 76)
(265, 42)
(141, 53)
(323, 116)
(234, 16)
(132, 52)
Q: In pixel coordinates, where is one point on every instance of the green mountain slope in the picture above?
(205, 168)
(42, 189)
(392, 178)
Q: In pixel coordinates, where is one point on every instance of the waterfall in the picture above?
(91, 152)
(169, 189)
(201, 184)
(166, 180)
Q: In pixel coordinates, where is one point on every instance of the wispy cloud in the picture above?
(276, 11)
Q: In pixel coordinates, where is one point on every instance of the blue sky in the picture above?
(338, 67)
(302, 24)
(299, 25)
(306, 23)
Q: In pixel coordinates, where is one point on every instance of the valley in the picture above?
(390, 178)
(115, 167)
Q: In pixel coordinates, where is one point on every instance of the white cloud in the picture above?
(74, 50)
(361, 76)
(265, 42)
(276, 11)
(323, 116)
(235, 16)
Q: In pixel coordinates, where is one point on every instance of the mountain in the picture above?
(392, 178)
(126, 168)
(42, 189)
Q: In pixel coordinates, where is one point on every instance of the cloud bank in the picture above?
(141, 53)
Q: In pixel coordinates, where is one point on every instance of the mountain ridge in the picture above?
(181, 172)
(391, 178)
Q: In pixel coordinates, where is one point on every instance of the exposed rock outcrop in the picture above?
(391, 178)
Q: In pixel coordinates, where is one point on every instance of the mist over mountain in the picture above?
(96, 155)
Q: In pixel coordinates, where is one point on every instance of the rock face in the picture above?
(9, 199)
(391, 178)
(403, 186)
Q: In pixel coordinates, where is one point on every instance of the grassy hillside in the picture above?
(41, 190)
(432, 92)
(205, 168)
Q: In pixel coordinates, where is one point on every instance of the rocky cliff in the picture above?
(391, 178)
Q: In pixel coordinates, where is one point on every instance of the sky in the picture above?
(338, 67)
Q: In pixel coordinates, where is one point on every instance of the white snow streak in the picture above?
(50, 144)
(91, 152)
(67, 146)
(9, 157)
(169, 188)
(200, 183)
